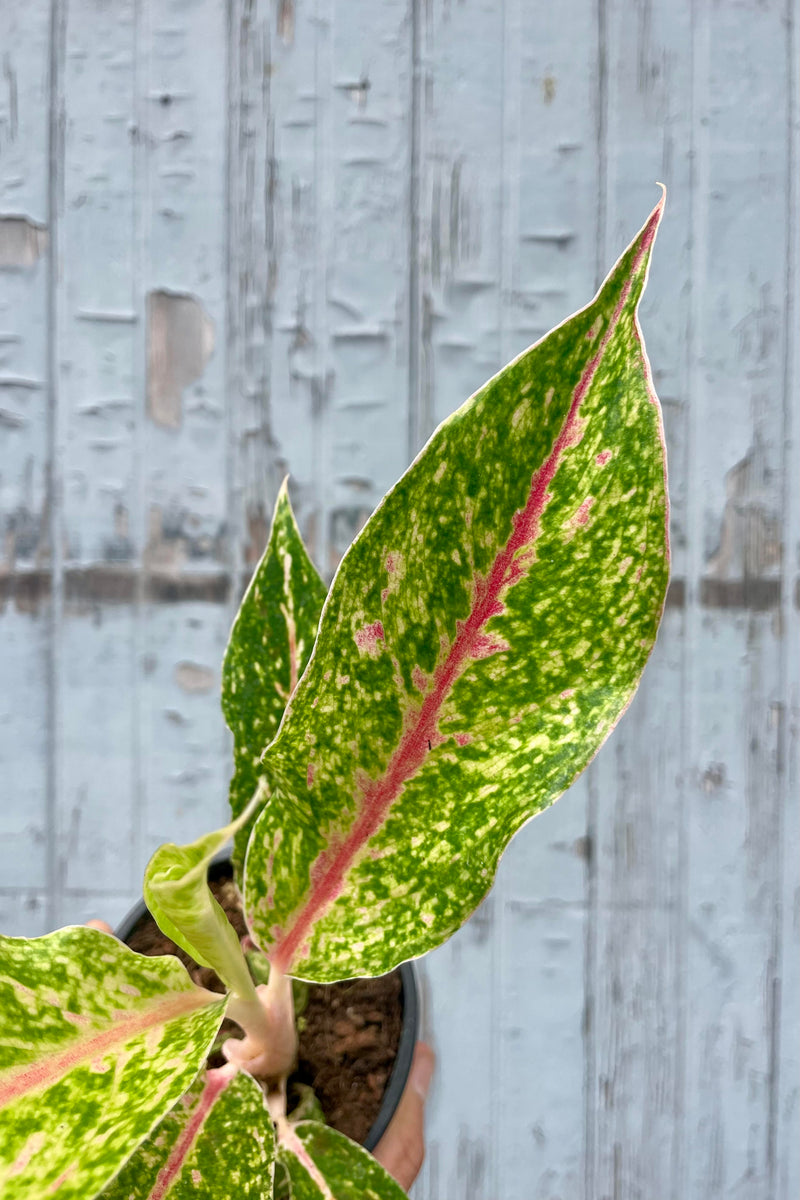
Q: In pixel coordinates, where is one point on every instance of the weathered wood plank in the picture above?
(23, 912)
(256, 464)
(299, 57)
(24, 745)
(364, 209)
(368, 207)
(634, 1100)
(97, 284)
(77, 907)
(457, 132)
(458, 301)
(24, 442)
(25, 42)
(458, 1002)
(540, 1005)
(550, 167)
(184, 746)
(736, 462)
(183, 118)
(786, 1043)
(94, 465)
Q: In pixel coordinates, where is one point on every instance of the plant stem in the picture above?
(269, 1049)
(279, 1002)
(251, 1015)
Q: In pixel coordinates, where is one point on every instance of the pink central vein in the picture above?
(329, 871)
(216, 1082)
(55, 1066)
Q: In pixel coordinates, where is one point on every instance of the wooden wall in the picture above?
(249, 237)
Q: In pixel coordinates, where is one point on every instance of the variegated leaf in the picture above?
(319, 1163)
(180, 901)
(482, 636)
(269, 647)
(217, 1142)
(97, 1044)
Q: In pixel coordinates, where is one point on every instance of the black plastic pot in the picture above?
(408, 1036)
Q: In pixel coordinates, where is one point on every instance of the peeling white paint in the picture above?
(180, 341)
(22, 242)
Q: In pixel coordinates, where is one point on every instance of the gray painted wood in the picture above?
(245, 238)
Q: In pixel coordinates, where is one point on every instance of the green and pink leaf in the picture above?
(98, 1043)
(269, 646)
(482, 636)
(218, 1141)
(318, 1163)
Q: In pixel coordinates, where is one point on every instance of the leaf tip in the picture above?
(652, 223)
(283, 491)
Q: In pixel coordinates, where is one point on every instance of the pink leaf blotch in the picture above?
(368, 637)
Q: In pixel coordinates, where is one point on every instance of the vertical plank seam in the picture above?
(787, 614)
(589, 978)
(698, 212)
(688, 627)
(498, 952)
(139, 382)
(418, 421)
(144, 210)
(233, 374)
(57, 35)
(786, 1154)
(591, 880)
(679, 963)
(601, 134)
(324, 159)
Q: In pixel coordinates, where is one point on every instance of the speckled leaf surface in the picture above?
(267, 652)
(97, 1044)
(217, 1142)
(483, 635)
(321, 1164)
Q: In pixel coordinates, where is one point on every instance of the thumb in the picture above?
(401, 1150)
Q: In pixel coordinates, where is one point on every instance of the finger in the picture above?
(401, 1150)
(103, 926)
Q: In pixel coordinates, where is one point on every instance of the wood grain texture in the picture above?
(636, 819)
(786, 1036)
(245, 237)
(735, 470)
(93, 346)
(24, 446)
(185, 503)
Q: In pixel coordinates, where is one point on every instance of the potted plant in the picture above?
(482, 636)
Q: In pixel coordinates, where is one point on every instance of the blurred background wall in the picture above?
(245, 238)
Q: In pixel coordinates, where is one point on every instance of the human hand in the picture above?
(401, 1150)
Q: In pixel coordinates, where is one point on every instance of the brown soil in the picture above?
(349, 1032)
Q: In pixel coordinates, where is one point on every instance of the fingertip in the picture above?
(422, 1068)
(96, 923)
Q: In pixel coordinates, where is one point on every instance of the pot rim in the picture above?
(408, 1033)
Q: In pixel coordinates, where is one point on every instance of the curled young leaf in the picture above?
(481, 638)
(268, 649)
(321, 1164)
(97, 1044)
(181, 903)
(217, 1141)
